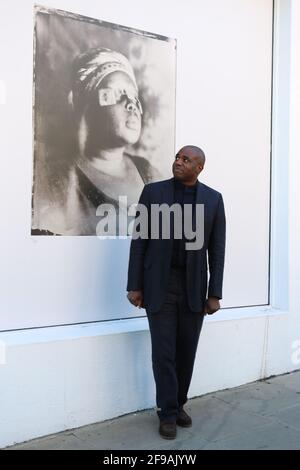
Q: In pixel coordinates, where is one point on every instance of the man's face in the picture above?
(122, 120)
(186, 166)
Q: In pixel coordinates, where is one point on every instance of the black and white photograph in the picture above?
(104, 118)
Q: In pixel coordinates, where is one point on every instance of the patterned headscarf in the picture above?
(90, 68)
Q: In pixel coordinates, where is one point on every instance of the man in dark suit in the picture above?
(170, 282)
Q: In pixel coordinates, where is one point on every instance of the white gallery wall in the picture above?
(223, 104)
(67, 376)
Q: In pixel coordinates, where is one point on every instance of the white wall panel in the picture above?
(223, 105)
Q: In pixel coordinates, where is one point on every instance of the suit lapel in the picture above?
(168, 191)
(200, 199)
(200, 193)
(167, 197)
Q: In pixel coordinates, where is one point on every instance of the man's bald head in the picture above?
(195, 151)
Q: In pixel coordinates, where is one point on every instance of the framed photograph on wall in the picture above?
(104, 118)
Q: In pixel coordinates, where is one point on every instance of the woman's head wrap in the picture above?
(90, 68)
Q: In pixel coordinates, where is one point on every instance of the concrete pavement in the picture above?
(260, 415)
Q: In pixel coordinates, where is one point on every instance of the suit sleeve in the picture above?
(216, 252)
(137, 252)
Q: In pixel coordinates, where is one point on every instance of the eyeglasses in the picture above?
(110, 96)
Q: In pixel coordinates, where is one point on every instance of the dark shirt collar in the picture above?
(178, 185)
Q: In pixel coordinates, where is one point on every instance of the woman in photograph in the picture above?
(107, 119)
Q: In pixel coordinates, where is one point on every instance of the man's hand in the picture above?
(135, 297)
(212, 304)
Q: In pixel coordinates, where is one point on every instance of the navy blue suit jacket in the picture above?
(150, 260)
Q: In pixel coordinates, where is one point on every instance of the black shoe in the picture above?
(183, 419)
(167, 429)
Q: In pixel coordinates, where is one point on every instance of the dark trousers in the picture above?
(174, 331)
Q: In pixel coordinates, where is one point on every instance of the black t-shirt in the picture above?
(182, 195)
